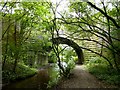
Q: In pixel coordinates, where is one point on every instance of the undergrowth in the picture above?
(22, 72)
(102, 71)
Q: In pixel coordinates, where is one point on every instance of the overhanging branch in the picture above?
(105, 14)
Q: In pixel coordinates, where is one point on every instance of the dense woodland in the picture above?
(32, 32)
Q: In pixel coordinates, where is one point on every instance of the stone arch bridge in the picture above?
(75, 46)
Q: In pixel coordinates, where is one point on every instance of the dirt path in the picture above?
(82, 79)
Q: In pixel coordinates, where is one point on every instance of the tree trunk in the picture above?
(15, 53)
(6, 47)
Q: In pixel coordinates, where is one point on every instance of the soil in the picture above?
(81, 78)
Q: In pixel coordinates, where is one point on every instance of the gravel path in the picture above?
(82, 79)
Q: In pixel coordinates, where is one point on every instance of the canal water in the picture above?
(41, 81)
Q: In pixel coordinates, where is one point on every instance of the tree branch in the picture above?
(105, 14)
(99, 55)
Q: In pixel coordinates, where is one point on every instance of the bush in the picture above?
(22, 71)
(101, 70)
(54, 76)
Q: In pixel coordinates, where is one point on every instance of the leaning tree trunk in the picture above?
(75, 46)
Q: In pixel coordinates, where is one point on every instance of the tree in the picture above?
(96, 25)
(20, 21)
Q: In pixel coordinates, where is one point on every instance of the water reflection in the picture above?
(37, 82)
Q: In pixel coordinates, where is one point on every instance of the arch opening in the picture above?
(75, 46)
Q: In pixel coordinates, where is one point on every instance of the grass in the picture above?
(102, 72)
(22, 72)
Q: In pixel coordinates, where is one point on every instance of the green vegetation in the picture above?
(22, 72)
(102, 71)
(29, 30)
(54, 76)
(69, 61)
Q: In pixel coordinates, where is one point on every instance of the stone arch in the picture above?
(75, 46)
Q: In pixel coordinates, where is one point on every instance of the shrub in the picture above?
(22, 71)
(101, 70)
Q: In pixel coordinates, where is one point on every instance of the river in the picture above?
(37, 82)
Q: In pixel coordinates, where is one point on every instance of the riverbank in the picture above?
(39, 81)
(22, 72)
